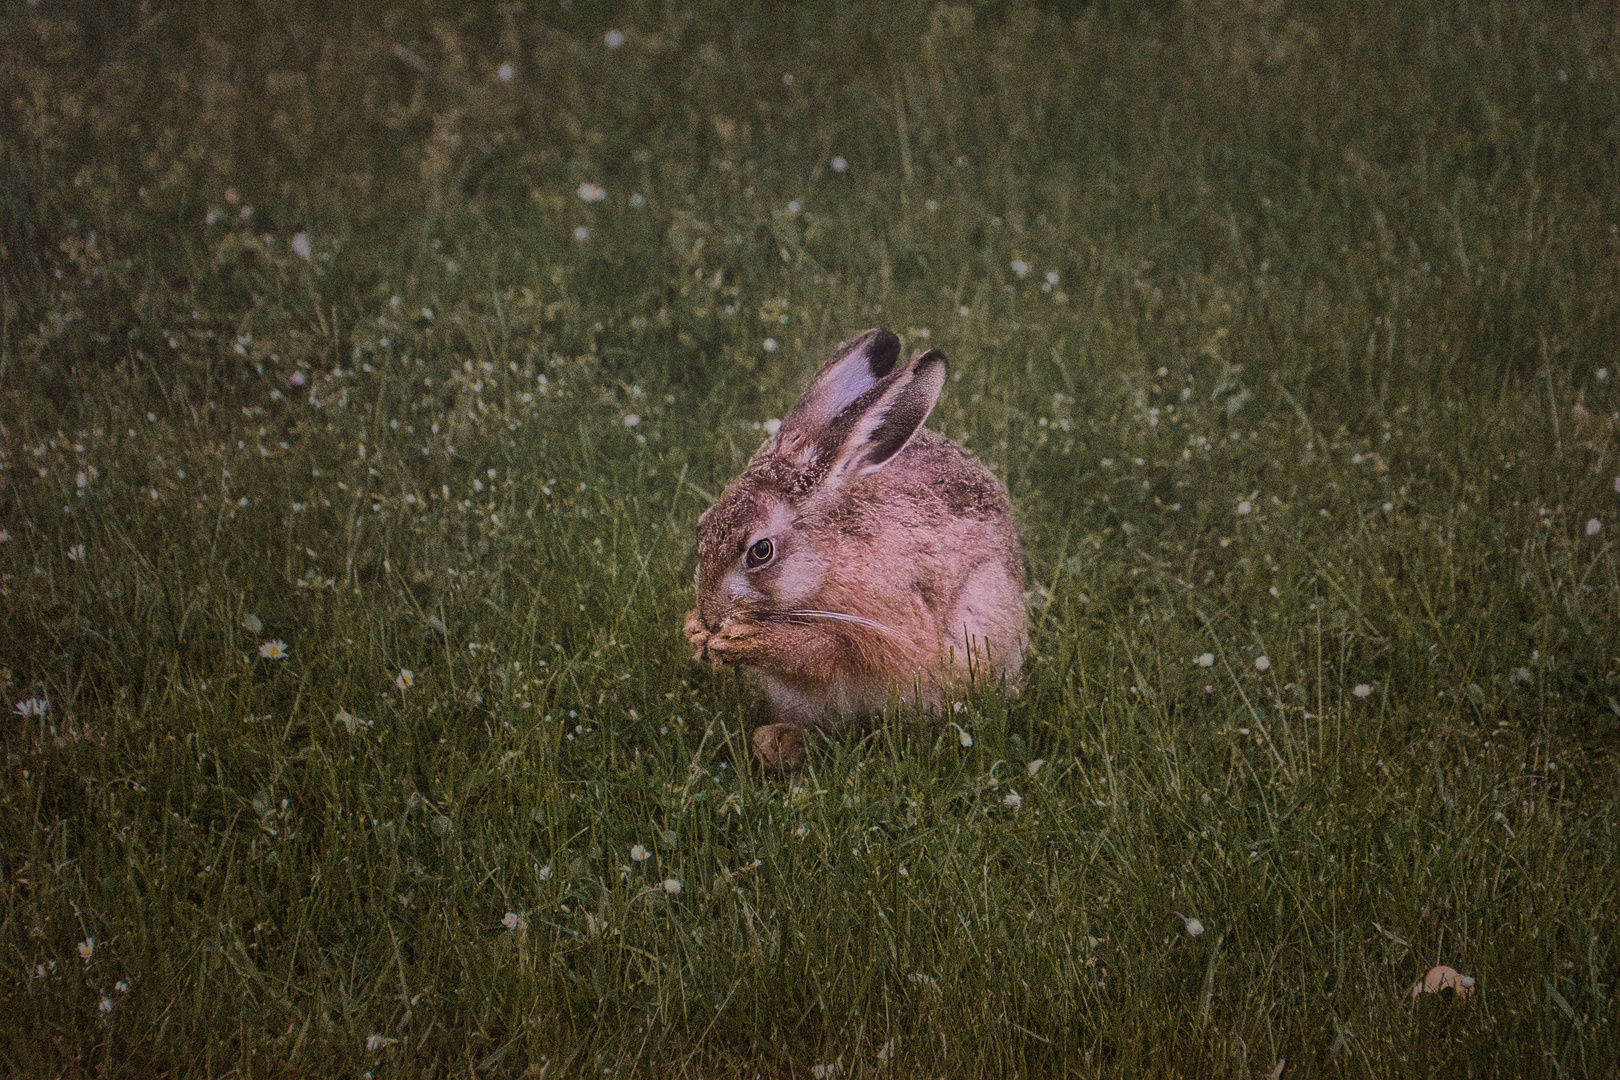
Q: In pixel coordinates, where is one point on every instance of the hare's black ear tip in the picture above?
(882, 350)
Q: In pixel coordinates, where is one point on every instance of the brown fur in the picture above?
(892, 570)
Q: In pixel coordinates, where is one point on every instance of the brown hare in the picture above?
(859, 555)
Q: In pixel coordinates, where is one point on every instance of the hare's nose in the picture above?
(712, 610)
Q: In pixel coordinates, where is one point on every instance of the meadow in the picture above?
(363, 376)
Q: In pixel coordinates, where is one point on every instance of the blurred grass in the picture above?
(1289, 329)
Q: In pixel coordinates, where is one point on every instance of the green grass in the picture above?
(1311, 358)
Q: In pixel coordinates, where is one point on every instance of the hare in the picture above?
(859, 555)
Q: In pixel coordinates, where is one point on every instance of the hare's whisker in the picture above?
(839, 616)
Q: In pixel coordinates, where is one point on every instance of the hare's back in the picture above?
(939, 471)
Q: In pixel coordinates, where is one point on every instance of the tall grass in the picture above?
(1290, 331)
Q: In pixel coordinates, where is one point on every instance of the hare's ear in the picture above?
(876, 426)
(858, 367)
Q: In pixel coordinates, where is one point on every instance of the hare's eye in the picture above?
(760, 553)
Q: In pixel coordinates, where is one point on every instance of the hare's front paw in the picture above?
(734, 643)
(779, 746)
(697, 634)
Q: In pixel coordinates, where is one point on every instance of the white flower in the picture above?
(591, 193)
(1362, 690)
(613, 39)
(1244, 507)
(772, 426)
(273, 650)
(672, 885)
(582, 233)
(770, 344)
(514, 922)
(121, 986)
(87, 949)
(33, 707)
(544, 873)
(300, 244)
(1012, 800)
(632, 419)
(839, 164)
(639, 853)
(76, 552)
(105, 1005)
(377, 1042)
(506, 73)
(1205, 660)
(1051, 277)
(405, 679)
(1592, 526)
(962, 736)
(1020, 267)
(1194, 927)
(1262, 663)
